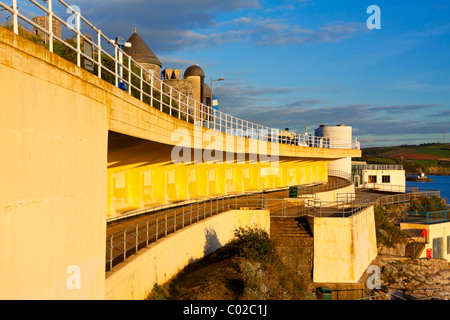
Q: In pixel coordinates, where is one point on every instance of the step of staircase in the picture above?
(409, 250)
(290, 231)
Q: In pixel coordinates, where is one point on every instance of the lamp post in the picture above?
(211, 96)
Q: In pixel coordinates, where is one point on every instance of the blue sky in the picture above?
(293, 63)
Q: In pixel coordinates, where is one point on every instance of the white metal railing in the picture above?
(382, 167)
(136, 80)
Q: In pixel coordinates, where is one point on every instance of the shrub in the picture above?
(158, 293)
(255, 244)
(387, 233)
(425, 204)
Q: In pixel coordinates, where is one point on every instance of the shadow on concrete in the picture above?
(212, 241)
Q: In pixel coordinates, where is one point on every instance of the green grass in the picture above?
(383, 155)
(433, 149)
(438, 150)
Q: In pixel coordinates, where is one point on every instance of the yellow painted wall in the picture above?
(343, 247)
(168, 182)
(53, 133)
(163, 259)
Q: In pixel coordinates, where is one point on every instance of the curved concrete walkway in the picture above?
(127, 236)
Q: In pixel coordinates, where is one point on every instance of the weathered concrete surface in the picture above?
(53, 136)
(134, 279)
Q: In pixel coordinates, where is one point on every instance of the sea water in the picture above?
(441, 183)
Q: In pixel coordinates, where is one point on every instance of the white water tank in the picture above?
(340, 137)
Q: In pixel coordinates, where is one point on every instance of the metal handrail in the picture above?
(418, 242)
(430, 217)
(129, 240)
(160, 207)
(393, 188)
(159, 93)
(346, 205)
(405, 197)
(382, 167)
(345, 181)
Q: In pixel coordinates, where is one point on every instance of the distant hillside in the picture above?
(430, 158)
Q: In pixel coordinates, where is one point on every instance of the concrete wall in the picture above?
(343, 247)
(53, 136)
(135, 278)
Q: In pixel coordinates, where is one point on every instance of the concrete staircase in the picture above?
(416, 243)
(414, 249)
(290, 232)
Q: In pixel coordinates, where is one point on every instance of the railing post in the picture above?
(201, 114)
(99, 49)
(165, 224)
(170, 101)
(146, 236)
(179, 106)
(151, 90)
(116, 67)
(15, 17)
(161, 96)
(78, 39)
(130, 73)
(124, 244)
(111, 253)
(50, 26)
(141, 88)
(137, 240)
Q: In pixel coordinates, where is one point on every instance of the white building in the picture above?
(383, 177)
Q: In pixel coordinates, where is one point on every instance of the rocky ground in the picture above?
(403, 278)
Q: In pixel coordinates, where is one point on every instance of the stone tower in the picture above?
(196, 76)
(142, 54)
